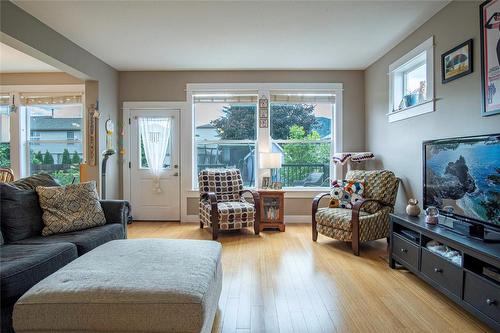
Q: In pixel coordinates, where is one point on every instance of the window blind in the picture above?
(249, 96)
(5, 100)
(38, 99)
(303, 97)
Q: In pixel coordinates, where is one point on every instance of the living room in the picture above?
(249, 166)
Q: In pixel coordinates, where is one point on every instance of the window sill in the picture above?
(298, 192)
(412, 111)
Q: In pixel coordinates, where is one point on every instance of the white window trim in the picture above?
(263, 134)
(429, 104)
(19, 150)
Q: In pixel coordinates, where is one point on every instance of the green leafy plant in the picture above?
(4, 155)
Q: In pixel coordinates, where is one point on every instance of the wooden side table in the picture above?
(272, 209)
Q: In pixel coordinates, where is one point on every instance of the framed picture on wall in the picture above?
(456, 62)
(489, 19)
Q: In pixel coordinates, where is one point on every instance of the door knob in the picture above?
(176, 174)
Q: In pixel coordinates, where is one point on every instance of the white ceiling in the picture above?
(14, 61)
(163, 35)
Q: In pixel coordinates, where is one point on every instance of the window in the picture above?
(301, 130)
(4, 132)
(226, 132)
(412, 83)
(54, 125)
(303, 125)
(166, 161)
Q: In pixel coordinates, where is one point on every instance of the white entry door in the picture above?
(154, 198)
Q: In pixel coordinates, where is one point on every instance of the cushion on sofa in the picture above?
(25, 265)
(70, 208)
(31, 182)
(20, 213)
(85, 240)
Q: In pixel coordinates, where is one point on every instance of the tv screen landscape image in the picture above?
(464, 173)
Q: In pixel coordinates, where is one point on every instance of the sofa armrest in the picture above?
(116, 211)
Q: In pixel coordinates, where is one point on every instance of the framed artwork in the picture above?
(266, 182)
(456, 62)
(277, 185)
(263, 123)
(489, 19)
(262, 113)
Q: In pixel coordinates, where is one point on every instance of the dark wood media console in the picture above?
(467, 282)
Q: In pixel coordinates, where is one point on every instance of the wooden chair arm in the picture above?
(316, 201)
(214, 211)
(315, 205)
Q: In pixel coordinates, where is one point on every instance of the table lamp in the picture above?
(270, 161)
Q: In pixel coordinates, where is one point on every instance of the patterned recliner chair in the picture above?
(368, 219)
(222, 206)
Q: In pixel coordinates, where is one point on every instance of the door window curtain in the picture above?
(155, 134)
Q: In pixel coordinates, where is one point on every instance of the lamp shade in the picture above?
(270, 160)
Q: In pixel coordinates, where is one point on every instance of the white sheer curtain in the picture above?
(155, 133)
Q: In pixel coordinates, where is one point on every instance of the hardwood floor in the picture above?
(284, 282)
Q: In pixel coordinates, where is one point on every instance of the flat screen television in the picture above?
(462, 178)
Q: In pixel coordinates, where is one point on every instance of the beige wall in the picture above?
(27, 34)
(171, 85)
(51, 78)
(398, 145)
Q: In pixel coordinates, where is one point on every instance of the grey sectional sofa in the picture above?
(26, 257)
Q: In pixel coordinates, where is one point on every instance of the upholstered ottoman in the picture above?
(141, 285)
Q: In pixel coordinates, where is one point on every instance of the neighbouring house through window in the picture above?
(226, 132)
(301, 128)
(55, 125)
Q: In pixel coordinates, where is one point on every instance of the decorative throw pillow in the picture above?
(70, 208)
(31, 182)
(20, 213)
(345, 193)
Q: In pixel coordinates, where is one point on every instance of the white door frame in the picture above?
(160, 106)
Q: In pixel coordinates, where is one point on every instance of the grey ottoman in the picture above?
(141, 285)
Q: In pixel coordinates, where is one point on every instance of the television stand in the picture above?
(471, 279)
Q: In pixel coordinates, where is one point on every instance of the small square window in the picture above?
(411, 83)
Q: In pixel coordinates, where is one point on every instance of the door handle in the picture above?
(176, 174)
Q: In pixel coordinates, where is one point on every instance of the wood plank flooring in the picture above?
(284, 282)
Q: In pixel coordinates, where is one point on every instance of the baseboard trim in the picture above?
(288, 219)
(297, 219)
(190, 219)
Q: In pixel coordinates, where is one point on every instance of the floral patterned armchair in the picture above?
(222, 206)
(368, 219)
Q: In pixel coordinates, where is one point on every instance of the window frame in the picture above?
(19, 135)
(320, 141)
(263, 142)
(225, 141)
(397, 82)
